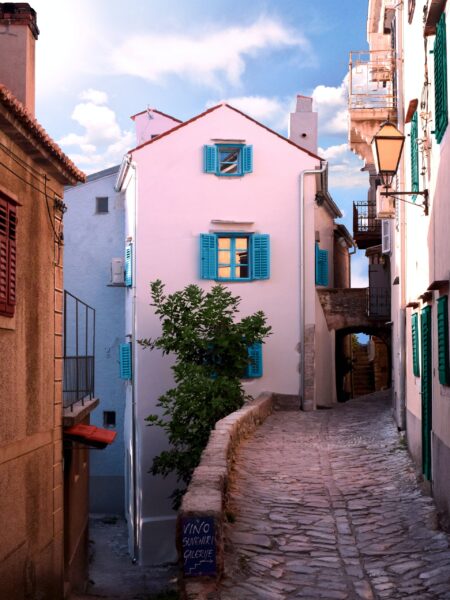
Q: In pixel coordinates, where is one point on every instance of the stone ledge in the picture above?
(206, 495)
(79, 411)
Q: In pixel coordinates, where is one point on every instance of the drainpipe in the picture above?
(323, 168)
(123, 171)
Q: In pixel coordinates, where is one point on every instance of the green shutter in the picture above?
(255, 366)
(260, 256)
(208, 256)
(321, 257)
(415, 343)
(129, 265)
(210, 159)
(440, 80)
(414, 156)
(442, 330)
(125, 361)
(247, 159)
(426, 390)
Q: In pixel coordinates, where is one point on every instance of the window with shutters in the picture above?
(8, 256)
(228, 160)
(128, 271)
(440, 80)
(442, 330)
(385, 236)
(414, 156)
(234, 256)
(321, 266)
(415, 343)
(125, 361)
(255, 366)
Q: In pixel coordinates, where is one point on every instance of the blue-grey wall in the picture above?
(91, 240)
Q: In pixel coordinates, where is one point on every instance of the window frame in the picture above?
(98, 200)
(440, 80)
(232, 237)
(239, 164)
(414, 156)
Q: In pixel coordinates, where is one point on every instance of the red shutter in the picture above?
(12, 259)
(4, 255)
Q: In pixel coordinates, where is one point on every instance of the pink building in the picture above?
(222, 182)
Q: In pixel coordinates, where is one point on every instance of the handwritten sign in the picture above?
(199, 546)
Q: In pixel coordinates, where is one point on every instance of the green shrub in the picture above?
(211, 356)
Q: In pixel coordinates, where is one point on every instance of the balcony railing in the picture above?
(366, 227)
(379, 302)
(79, 351)
(372, 79)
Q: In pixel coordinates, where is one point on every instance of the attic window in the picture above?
(102, 204)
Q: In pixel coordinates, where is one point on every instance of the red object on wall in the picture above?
(90, 435)
(8, 229)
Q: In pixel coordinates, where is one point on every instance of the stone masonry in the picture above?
(326, 505)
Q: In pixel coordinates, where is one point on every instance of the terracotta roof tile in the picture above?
(19, 111)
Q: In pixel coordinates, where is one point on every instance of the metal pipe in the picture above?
(324, 165)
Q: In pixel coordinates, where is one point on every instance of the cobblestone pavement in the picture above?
(326, 505)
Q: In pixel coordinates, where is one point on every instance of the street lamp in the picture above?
(387, 147)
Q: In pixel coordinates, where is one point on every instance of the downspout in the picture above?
(124, 168)
(324, 165)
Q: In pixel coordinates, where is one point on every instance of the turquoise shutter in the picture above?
(443, 352)
(440, 80)
(415, 343)
(414, 156)
(208, 256)
(210, 159)
(129, 265)
(321, 266)
(260, 256)
(125, 361)
(426, 390)
(255, 366)
(247, 159)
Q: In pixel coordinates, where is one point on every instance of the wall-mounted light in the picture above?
(387, 147)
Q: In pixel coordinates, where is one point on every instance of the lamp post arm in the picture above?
(423, 193)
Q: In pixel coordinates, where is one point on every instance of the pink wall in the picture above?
(151, 123)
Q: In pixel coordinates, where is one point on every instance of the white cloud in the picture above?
(206, 58)
(331, 104)
(344, 167)
(94, 96)
(102, 143)
(273, 112)
(359, 271)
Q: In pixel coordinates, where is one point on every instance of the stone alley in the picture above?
(326, 505)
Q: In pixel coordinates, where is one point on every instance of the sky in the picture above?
(101, 61)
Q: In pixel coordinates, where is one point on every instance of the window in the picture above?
(228, 160)
(8, 258)
(109, 418)
(440, 80)
(415, 343)
(102, 204)
(321, 266)
(442, 330)
(414, 156)
(255, 366)
(234, 256)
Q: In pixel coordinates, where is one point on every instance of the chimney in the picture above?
(18, 34)
(303, 124)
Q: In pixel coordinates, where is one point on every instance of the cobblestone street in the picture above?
(326, 505)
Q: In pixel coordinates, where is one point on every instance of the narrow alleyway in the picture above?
(326, 505)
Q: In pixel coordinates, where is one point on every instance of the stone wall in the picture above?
(207, 493)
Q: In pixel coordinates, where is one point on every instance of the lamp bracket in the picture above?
(423, 193)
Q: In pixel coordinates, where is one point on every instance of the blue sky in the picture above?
(100, 61)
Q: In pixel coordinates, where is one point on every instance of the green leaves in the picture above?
(199, 328)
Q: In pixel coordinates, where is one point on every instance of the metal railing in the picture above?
(364, 219)
(79, 351)
(379, 302)
(372, 79)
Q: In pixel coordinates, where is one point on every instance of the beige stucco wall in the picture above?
(31, 492)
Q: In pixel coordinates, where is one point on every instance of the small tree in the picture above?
(211, 353)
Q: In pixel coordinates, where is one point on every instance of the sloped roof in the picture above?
(39, 135)
(209, 110)
(155, 111)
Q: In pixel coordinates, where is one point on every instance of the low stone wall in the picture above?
(206, 496)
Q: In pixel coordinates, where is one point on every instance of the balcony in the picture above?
(79, 353)
(366, 227)
(372, 95)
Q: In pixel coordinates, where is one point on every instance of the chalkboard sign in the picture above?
(199, 546)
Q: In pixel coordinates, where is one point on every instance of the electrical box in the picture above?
(117, 273)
